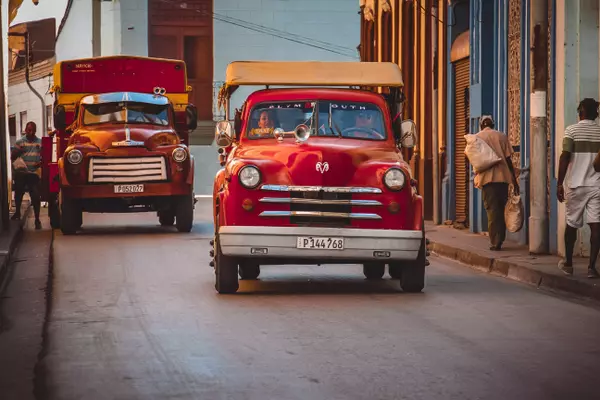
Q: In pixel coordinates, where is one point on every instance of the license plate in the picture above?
(320, 243)
(129, 188)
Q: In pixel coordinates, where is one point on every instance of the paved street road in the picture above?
(135, 316)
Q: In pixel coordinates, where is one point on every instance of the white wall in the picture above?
(125, 27)
(75, 41)
(20, 98)
(577, 77)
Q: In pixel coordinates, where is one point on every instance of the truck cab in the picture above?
(314, 172)
(120, 144)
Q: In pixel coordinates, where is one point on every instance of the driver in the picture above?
(364, 125)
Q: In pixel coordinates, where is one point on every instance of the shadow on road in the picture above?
(330, 285)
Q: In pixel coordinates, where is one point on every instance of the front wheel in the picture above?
(54, 212)
(249, 271)
(166, 218)
(412, 274)
(184, 213)
(373, 271)
(226, 271)
(70, 215)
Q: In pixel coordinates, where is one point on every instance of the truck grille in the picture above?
(127, 170)
(324, 206)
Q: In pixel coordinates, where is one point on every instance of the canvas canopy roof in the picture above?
(313, 73)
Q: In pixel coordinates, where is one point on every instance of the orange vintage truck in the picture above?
(120, 144)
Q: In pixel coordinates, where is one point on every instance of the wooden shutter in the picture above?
(461, 128)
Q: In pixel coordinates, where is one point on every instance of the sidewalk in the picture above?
(513, 262)
(10, 238)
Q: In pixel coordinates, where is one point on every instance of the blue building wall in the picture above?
(488, 25)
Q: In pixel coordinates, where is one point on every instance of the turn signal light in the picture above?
(247, 205)
(393, 207)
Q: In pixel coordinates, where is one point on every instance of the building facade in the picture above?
(482, 53)
(206, 34)
(412, 34)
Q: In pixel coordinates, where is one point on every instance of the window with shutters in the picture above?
(461, 128)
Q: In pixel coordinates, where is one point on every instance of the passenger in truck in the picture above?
(266, 124)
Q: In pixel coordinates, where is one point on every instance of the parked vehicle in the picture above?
(120, 144)
(314, 173)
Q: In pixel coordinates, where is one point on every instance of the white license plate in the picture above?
(320, 243)
(129, 188)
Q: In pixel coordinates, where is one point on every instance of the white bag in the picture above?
(480, 154)
(513, 212)
(19, 164)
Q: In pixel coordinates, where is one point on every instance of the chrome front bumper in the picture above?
(281, 242)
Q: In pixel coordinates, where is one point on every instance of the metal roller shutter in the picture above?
(461, 128)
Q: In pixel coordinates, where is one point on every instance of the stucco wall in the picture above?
(125, 27)
(20, 98)
(75, 41)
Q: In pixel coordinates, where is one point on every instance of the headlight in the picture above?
(394, 179)
(75, 157)
(249, 177)
(179, 154)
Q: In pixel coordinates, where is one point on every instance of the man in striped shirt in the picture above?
(582, 183)
(29, 149)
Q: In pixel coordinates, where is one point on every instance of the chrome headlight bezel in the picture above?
(394, 179)
(74, 157)
(179, 155)
(243, 176)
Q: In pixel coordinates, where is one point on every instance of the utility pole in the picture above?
(4, 160)
(538, 221)
(437, 217)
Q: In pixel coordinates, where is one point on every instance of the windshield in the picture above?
(334, 118)
(126, 112)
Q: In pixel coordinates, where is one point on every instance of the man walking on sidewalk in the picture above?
(580, 145)
(27, 179)
(495, 180)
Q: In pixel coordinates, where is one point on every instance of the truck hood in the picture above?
(322, 162)
(103, 136)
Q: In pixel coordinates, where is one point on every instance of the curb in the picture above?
(515, 272)
(14, 233)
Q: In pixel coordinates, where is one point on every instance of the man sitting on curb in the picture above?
(576, 166)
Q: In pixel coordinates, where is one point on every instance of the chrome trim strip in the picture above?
(288, 200)
(319, 214)
(328, 189)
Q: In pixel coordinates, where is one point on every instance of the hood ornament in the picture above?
(128, 142)
(322, 167)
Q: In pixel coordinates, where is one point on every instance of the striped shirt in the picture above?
(30, 151)
(582, 140)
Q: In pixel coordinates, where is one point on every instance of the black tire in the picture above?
(249, 271)
(71, 217)
(226, 271)
(166, 218)
(395, 270)
(54, 213)
(184, 213)
(373, 270)
(412, 275)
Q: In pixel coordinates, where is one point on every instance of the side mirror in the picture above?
(224, 133)
(409, 134)
(191, 117)
(60, 118)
